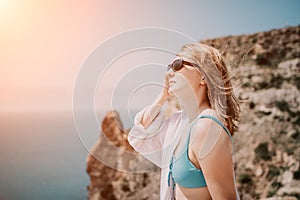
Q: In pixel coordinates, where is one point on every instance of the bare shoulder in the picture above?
(207, 135)
(209, 111)
(202, 125)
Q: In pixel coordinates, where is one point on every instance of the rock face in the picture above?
(266, 68)
(116, 173)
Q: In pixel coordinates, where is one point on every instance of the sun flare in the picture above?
(5, 7)
(3, 3)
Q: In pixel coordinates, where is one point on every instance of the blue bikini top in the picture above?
(183, 171)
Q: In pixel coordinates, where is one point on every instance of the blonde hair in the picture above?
(218, 81)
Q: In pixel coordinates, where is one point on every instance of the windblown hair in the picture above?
(218, 81)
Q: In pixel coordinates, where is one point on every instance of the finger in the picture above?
(166, 80)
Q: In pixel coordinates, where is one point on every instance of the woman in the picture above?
(193, 147)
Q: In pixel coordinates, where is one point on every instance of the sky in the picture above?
(45, 43)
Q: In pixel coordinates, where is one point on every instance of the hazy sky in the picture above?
(43, 43)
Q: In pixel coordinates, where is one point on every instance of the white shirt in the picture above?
(157, 142)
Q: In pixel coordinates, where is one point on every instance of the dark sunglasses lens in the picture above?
(177, 65)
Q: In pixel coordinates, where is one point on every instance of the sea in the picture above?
(42, 156)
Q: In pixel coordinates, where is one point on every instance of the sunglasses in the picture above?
(177, 64)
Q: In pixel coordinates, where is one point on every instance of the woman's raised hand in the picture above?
(153, 110)
(165, 89)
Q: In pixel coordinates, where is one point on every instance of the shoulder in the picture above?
(203, 123)
(207, 135)
(208, 119)
(209, 112)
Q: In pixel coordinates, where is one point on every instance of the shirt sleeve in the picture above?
(148, 141)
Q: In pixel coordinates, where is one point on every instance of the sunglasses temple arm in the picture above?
(169, 67)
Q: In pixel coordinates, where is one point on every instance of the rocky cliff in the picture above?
(119, 173)
(266, 67)
(266, 70)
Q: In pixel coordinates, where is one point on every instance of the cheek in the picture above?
(180, 83)
(192, 76)
(193, 79)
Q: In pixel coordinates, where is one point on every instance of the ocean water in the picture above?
(41, 157)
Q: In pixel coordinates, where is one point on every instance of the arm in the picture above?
(212, 148)
(152, 112)
(149, 128)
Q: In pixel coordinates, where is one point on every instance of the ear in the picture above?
(202, 82)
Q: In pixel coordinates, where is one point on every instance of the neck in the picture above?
(193, 105)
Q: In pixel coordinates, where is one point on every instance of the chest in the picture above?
(177, 137)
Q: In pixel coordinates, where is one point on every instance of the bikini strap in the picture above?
(217, 121)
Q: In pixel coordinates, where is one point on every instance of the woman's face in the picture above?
(187, 76)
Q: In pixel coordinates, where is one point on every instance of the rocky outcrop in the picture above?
(266, 69)
(264, 48)
(115, 170)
